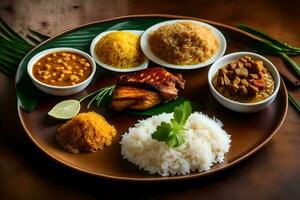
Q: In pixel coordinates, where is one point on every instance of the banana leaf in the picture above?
(163, 108)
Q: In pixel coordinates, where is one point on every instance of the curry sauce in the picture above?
(62, 69)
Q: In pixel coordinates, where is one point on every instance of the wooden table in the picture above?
(26, 173)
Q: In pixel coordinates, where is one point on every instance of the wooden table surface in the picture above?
(26, 173)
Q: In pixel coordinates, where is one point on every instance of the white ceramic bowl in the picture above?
(60, 90)
(234, 105)
(144, 65)
(151, 55)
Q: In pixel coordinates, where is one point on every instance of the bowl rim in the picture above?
(41, 54)
(153, 57)
(96, 39)
(244, 53)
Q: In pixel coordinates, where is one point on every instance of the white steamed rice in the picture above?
(205, 144)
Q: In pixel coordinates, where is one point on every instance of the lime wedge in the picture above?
(65, 109)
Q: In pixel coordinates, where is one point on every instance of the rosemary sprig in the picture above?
(100, 97)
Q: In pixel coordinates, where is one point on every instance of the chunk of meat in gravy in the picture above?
(252, 90)
(243, 90)
(253, 76)
(226, 79)
(241, 72)
(220, 81)
(259, 83)
(258, 66)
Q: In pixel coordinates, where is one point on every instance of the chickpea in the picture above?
(81, 62)
(76, 67)
(73, 57)
(59, 61)
(49, 59)
(54, 54)
(57, 68)
(87, 65)
(64, 54)
(45, 77)
(66, 71)
(39, 72)
(73, 78)
(45, 72)
(62, 75)
(48, 66)
(69, 68)
(67, 59)
(73, 83)
(60, 79)
(80, 74)
(38, 63)
(52, 81)
(85, 68)
(65, 64)
(53, 74)
(81, 71)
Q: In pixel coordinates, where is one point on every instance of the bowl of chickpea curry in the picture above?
(61, 71)
(244, 81)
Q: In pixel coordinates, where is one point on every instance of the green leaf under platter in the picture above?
(164, 107)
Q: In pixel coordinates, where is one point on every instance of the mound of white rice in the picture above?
(205, 144)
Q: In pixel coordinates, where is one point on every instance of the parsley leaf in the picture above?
(172, 133)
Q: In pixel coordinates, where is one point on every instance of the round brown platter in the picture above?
(249, 132)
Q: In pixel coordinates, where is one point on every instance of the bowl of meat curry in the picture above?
(244, 81)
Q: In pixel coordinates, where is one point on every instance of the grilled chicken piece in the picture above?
(158, 79)
(134, 98)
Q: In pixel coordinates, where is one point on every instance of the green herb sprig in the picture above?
(101, 97)
(172, 133)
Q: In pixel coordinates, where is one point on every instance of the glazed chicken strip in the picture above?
(157, 79)
(134, 98)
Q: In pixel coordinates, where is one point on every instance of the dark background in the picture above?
(26, 173)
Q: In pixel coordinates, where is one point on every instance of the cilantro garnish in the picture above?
(172, 133)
